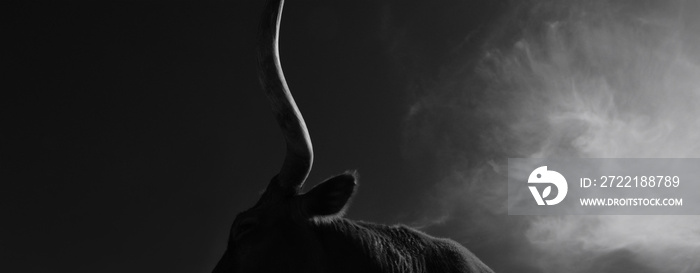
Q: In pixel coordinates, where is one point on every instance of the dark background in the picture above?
(132, 133)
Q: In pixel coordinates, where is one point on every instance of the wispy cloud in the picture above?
(574, 79)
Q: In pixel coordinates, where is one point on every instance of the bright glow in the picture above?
(581, 79)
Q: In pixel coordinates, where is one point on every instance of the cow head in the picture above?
(276, 234)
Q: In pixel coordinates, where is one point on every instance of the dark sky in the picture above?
(132, 133)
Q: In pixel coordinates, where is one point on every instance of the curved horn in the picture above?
(297, 162)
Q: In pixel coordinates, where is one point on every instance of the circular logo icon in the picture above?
(543, 176)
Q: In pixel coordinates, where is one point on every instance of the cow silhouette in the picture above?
(291, 231)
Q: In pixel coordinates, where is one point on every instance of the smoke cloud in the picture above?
(601, 79)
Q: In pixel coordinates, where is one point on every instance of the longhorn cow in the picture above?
(291, 231)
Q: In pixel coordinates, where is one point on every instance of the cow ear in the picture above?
(331, 196)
